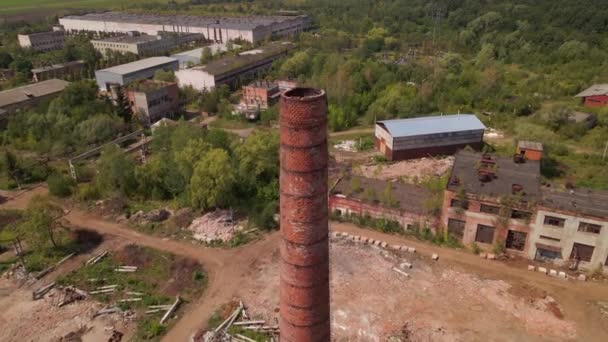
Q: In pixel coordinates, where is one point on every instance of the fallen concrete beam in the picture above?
(400, 272)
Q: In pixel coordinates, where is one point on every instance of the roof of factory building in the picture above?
(20, 94)
(504, 175)
(57, 66)
(128, 68)
(583, 201)
(247, 22)
(129, 39)
(530, 145)
(407, 196)
(432, 125)
(227, 64)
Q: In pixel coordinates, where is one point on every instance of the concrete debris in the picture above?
(39, 294)
(71, 294)
(400, 272)
(542, 270)
(238, 318)
(106, 311)
(346, 145)
(582, 277)
(51, 268)
(531, 268)
(435, 257)
(414, 170)
(491, 256)
(405, 265)
(171, 310)
(96, 258)
(126, 269)
(157, 215)
(553, 273)
(214, 226)
(562, 275)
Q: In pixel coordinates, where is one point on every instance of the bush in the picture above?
(60, 185)
(475, 248)
(89, 192)
(499, 247)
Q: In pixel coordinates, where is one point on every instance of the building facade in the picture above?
(369, 199)
(143, 44)
(152, 100)
(217, 29)
(126, 73)
(489, 201)
(230, 70)
(571, 229)
(594, 96)
(42, 41)
(434, 135)
(260, 94)
(530, 150)
(73, 69)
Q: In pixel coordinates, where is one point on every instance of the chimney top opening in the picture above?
(304, 93)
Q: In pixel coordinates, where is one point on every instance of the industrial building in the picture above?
(153, 100)
(217, 29)
(130, 72)
(490, 199)
(64, 70)
(571, 228)
(144, 44)
(42, 41)
(23, 98)
(594, 96)
(530, 150)
(406, 205)
(190, 58)
(230, 69)
(434, 135)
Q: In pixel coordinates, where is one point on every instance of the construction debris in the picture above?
(51, 268)
(128, 300)
(106, 311)
(435, 257)
(96, 258)
(221, 332)
(410, 171)
(400, 272)
(71, 294)
(171, 310)
(39, 294)
(126, 269)
(214, 226)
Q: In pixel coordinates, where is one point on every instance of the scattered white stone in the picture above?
(531, 268)
(405, 265)
(483, 255)
(411, 249)
(384, 244)
(542, 270)
(435, 257)
(553, 273)
(563, 275)
(491, 256)
(582, 277)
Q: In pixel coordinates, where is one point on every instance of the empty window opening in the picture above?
(489, 209)
(456, 228)
(554, 221)
(581, 252)
(587, 227)
(485, 234)
(516, 240)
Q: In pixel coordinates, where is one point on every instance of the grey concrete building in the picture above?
(42, 41)
(138, 70)
(217, 29)
(152, 100)
(144, 44)
(230, 69)
(571, 228)
(63, 70)
(23, 98)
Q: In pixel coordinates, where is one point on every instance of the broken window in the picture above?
(582, 252)
(485, 234)
(545, 254)
(520, 215)
(456, 228)
(554, 221)
(455, 203)
(489, 209)
(587, 227)
(516, 240)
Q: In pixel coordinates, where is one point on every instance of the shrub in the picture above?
(499, 247)
(475, 248)
(89, 192)
(60, 185)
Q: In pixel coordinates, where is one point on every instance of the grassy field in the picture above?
(23, 6)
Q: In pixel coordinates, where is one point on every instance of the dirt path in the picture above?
(225, 267)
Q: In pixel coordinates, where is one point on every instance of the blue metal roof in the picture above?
(432, 125)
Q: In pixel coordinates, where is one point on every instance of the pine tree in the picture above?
(123, 109)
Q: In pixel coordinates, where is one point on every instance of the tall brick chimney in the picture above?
(304, 217)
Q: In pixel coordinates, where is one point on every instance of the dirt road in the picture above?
(225, 268)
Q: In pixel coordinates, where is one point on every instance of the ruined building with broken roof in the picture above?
(496, 201)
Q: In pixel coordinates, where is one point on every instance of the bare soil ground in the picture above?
(415, 169)
(371, 302)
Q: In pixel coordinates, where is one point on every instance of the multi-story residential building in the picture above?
(217, 29)
(126, 73)
(231, 69)
(65, 70)
(144, 44)
(490, 200)
(153, 100)
(42, 41)
(571, 228)
(432, 135)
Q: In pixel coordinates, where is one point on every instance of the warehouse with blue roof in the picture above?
(428, 136)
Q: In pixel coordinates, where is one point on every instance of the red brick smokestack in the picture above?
(304, 224)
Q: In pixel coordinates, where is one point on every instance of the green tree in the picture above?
(116, 171)
(60, 185)
(212, 180)
(192, 153)
(206, 55)
(296, 65)
(122, 109)
(165, 75)
(40, 222)
(5, 59)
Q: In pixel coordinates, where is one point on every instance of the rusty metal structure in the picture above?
(304, 290)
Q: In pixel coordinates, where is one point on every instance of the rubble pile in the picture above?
(214, 226)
